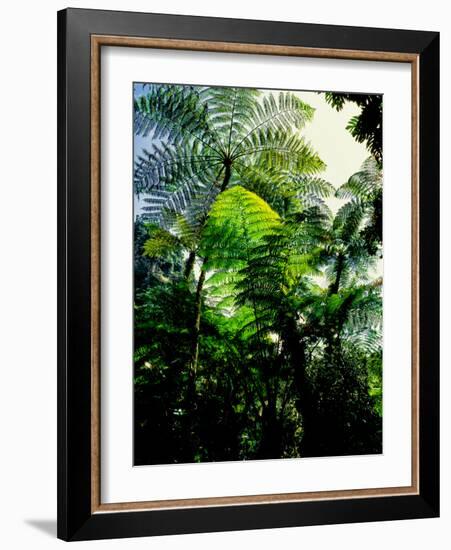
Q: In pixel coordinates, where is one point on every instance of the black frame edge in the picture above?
(74, 252)
(429, 183)
(75, 521)
(195, 27)
(61, 279)
(258, 516)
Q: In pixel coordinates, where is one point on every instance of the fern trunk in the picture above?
(191, 390)
(305, 402)
(198, 314)
(335, 286)
(190, 404)
(199, 288)
(271, 441)
(189, 264)
(227, 174)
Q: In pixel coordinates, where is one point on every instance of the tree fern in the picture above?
(237, 127)
(364, 189)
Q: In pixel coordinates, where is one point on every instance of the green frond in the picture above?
(274, 115)
(230, 112)
(190, 196)
(161, 244)
(366, 311)
(166, 165)
(178, 224)
(175, 114)
(367, 340)
(237, 219)
(279, 150)
(348, 219)
(363, 184)
(313, 186)
(272, 185)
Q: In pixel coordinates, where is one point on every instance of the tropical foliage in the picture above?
(257, 308)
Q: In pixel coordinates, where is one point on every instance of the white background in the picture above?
(28, 289)
(119, 481)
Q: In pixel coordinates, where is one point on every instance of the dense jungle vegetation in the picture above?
(257, 309)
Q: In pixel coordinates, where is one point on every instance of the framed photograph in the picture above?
(248, 274)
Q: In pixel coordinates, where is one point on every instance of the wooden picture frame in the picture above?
(81, 35)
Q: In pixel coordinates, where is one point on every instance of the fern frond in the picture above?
(279, 150)
(273, 115)
(238, 219)
(229, 112)
(348, 219)
(174, 113)
(167, 164)
(363, 184)
(313, 186)
(368, 340)
(161, 244)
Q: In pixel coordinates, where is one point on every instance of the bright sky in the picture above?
(336, 147)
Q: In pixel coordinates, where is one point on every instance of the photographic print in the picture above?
(258, 262)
